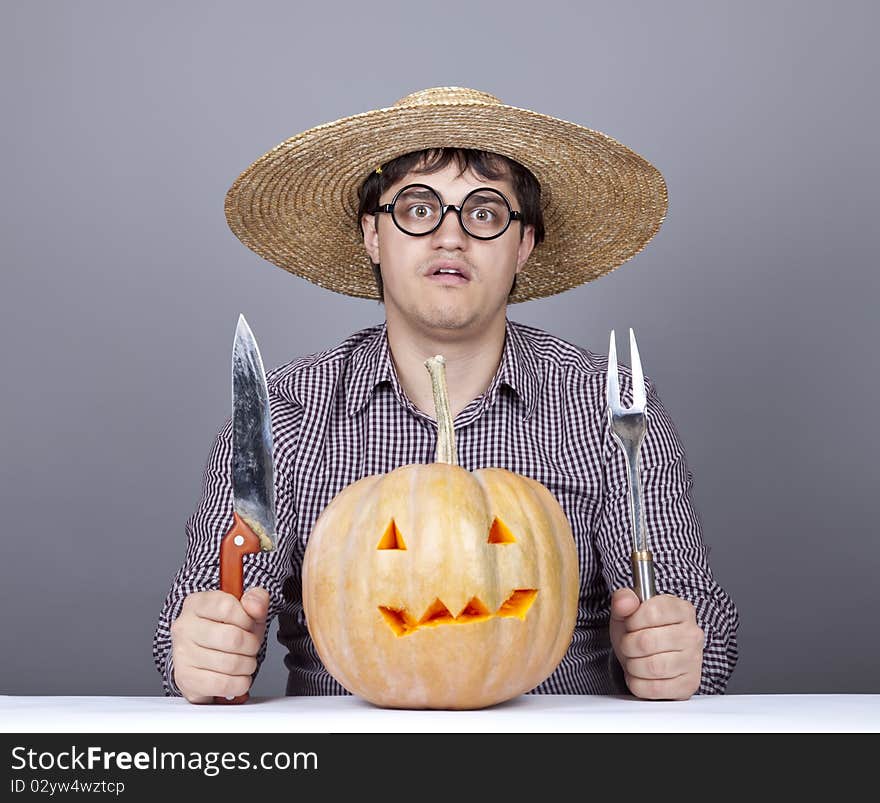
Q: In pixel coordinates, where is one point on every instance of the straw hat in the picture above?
(602, 202)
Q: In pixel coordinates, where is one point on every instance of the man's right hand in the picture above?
(215, 641)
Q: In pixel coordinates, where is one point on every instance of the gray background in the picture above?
(755, 306)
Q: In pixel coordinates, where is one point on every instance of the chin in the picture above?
(444, 316)
(449, 321)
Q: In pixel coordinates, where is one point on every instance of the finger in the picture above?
(227, 638)
(661, 666)
(659, 611)
(624, 603)
(200, 682)
(219, 606)
(224, 663)
(681, 688)
(655, 640)
(256, 604)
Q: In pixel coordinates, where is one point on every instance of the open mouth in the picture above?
(403, 623)
(448, 276)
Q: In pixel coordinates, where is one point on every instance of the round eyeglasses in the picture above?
(418, 210)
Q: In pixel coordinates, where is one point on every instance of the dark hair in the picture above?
(492, 166)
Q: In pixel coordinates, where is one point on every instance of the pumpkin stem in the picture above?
(445, 430)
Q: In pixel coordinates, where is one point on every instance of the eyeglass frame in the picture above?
(444, 208)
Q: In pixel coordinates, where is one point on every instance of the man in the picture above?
(460, 205)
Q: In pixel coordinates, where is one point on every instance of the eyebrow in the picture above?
(479, 197)
(419, 194)
(486, 198)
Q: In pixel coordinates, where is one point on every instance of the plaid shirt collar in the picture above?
(371, 365)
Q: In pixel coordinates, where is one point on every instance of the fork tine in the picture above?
(639, 399)
(612, 389)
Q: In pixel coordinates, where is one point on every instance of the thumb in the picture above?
(624, 603)
(255, 602)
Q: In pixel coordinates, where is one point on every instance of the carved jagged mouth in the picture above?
(403, 623)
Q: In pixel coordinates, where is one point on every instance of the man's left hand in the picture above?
(658, 643)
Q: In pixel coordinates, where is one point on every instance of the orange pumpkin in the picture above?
(435, 587)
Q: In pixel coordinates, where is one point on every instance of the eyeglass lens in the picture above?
(484, 213)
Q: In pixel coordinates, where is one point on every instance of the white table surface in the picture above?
(525, 714)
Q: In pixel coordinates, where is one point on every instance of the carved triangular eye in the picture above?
(499, 533)
(392, 539)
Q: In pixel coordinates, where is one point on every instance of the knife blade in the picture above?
(253, 473)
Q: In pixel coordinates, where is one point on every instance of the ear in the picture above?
(371, 237)
(526, 244)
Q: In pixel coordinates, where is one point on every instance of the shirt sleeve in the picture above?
(205, 529)
(674, 533)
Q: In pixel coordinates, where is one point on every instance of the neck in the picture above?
(472, 359)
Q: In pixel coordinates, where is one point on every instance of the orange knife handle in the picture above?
(241, 540)
(238, 542)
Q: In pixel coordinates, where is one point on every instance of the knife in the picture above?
(253, 473)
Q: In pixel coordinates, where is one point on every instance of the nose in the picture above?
(449, 234)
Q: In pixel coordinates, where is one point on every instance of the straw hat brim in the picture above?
(602, 202)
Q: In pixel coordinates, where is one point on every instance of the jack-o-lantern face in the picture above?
(435, 587)
(402, 621)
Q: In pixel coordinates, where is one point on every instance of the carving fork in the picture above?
(628, 427)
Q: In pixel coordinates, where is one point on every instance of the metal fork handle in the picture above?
(636, 521)
(642, 559)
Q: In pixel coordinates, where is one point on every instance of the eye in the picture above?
(419, 210)
(483, 215)
(499, 533)
(391, 538)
